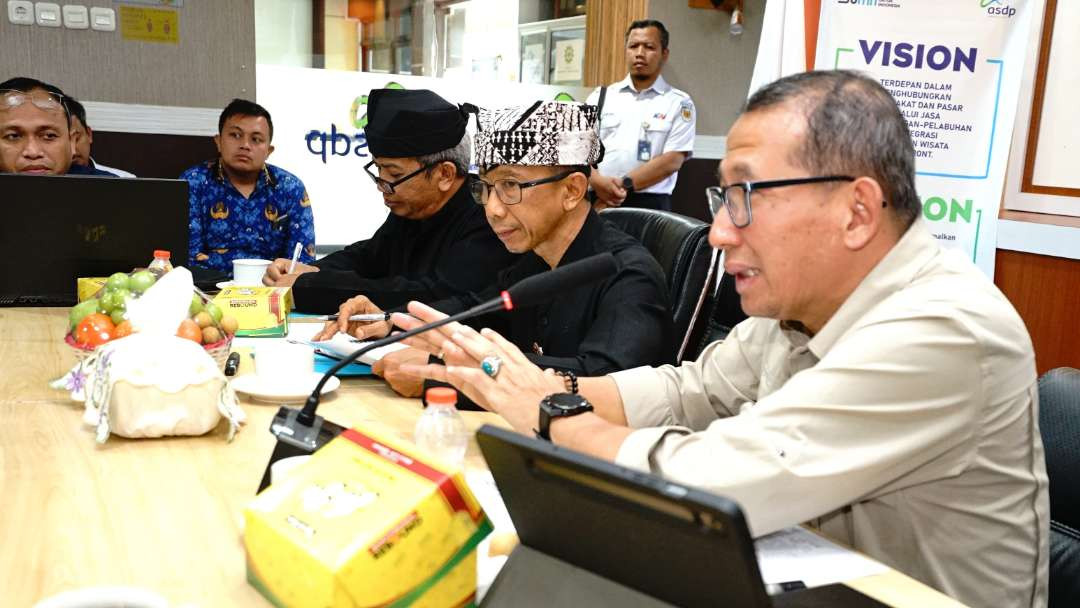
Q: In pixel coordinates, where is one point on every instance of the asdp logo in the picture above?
(997, 8)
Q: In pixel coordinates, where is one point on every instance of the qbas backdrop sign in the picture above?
(954, 69)
(319, 118)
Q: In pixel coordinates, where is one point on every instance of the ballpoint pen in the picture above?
(295, 257)
(365, 318)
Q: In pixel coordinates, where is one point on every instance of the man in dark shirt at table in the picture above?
(535, 164)
(435, 244)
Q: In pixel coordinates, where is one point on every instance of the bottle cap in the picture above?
(161, 253)
(441, 394)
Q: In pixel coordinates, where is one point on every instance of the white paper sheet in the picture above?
(340, 345)
(797, 554)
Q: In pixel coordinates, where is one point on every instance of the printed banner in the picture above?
(954, 69)
(319, 118)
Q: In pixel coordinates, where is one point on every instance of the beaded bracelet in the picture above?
(570, 378)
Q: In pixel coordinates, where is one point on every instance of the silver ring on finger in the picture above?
(491, 365)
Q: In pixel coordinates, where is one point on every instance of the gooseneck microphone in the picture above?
(303, 432)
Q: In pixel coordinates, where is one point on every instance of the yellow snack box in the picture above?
(367, 521)
(259, 311)
(87, 287)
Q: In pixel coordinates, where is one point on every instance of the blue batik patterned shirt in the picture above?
(224, 225)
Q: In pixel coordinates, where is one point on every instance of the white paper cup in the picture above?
(281, 468)
(249, 272)
(279, 362)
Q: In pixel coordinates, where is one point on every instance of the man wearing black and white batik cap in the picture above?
(534, 163)
(551, 133)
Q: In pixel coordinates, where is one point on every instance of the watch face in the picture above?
(566, 401)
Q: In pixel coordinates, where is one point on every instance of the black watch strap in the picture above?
(559, 405)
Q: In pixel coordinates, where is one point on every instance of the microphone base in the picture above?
(297, 439)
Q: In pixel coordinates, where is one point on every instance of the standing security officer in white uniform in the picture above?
(647, 127)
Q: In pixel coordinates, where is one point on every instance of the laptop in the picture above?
(59, 228)
(593, 533)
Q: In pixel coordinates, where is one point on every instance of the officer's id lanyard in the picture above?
(644, 148)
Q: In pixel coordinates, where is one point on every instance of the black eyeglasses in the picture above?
(736, 197)
(388, 187)
(509, 190)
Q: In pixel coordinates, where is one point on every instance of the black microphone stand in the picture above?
(301, 432)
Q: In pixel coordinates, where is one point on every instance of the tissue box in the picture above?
(259, 311)
(87, 287)
(367, 521)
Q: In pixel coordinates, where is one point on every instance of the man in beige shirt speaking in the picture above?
(883, 390)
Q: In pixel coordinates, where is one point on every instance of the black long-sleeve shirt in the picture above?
(621, 322)
(451, 253)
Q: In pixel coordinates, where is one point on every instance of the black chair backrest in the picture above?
(1059, 422)
(681, 245)
(725, 314)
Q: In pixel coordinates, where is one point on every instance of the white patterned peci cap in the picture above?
(546, 133)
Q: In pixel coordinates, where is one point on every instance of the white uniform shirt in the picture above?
(664, 114)
(907, 427)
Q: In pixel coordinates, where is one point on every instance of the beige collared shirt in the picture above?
(906, 428)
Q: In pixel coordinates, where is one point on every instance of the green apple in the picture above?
(196, 305)
(80, 310)
(214, 312)
(114, 299)
(141, 281)
(118, 280)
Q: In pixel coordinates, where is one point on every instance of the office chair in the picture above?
(725, 313)
(1059, 422)
(681, 245)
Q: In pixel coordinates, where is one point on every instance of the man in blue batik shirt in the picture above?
(241, 206)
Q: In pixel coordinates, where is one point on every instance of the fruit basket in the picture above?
(219, 350)
(104, 317)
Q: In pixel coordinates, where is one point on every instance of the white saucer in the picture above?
(294, 390)
(224, 284)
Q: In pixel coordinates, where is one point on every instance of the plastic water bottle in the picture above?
(441, 429)
(161, 263)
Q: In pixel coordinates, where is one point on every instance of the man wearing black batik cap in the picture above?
(435, 243)
(535, 163)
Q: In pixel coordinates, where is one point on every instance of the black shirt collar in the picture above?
(586, 241)
(460, 201)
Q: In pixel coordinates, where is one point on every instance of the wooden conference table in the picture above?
(166, 514)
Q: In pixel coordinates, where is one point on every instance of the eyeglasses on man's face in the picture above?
(736, 197)
(509, 190)
(387, 187)
(11, 99)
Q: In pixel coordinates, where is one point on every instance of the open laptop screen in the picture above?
(59, 228)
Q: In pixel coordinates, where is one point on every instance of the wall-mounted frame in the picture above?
(1042, 176)
(553, 52)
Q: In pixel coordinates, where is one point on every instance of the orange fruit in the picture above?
(190, 330)
(123, 329)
